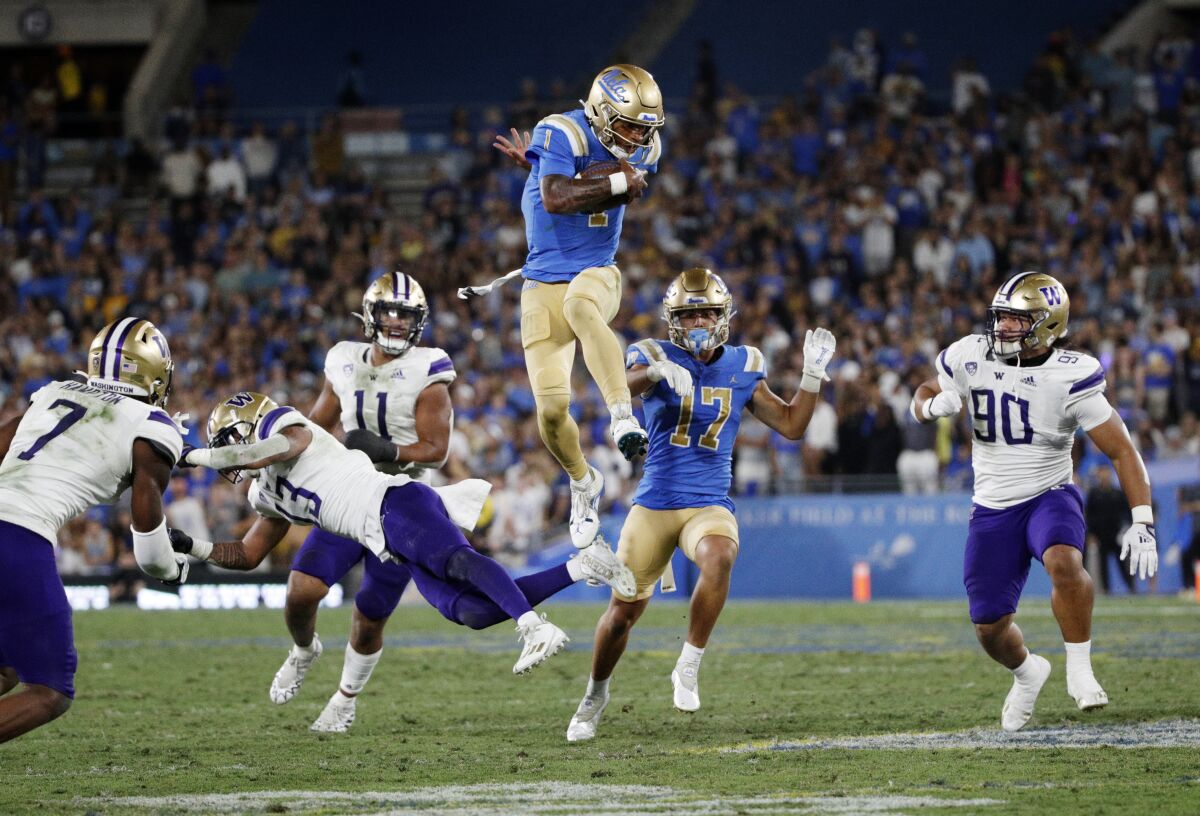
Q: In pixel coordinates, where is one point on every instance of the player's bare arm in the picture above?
(638, 378)
(567, 196)
(930, 402)
(326, 409)
(259, 540)
(151, 544)
(1112, 439)
(790, 419)
(432, 415)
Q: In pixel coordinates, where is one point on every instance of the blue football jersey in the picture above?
(690, 459)
(562, 246)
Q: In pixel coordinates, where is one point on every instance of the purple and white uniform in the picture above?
(339, 491)
(73, 449)
(1024, 420)
(381, 399)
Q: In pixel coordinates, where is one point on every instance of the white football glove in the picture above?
(1141, 546)
(678, 378)
(945, 404)
(818, 351)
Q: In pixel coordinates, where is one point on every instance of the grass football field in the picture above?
(888, 708)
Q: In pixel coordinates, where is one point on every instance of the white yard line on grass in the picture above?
(542, 799)
(1161, 734)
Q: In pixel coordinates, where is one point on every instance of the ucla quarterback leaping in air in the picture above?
(302, 474)
(78, 445)
(393, 399)
(1026, 398)
(572, 285)
(693, 390)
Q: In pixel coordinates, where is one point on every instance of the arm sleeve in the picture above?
(277, 419)
(161, 431)
(1091, 411)
(551, 149)
(949, 366)
(441, 370)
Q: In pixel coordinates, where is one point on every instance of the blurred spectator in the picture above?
(1107, 514)
(211, 92)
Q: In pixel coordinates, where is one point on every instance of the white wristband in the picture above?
(201, 549)
(153, 553)
(810, 383)
(1143, 514)
(925, 410)
(618, 183)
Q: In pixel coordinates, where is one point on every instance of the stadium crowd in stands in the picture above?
(854, 202)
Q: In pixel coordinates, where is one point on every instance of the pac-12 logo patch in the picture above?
(971, 368)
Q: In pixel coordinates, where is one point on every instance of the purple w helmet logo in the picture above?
(240, 400)
(1052, 294)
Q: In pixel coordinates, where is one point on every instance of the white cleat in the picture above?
(338, 715)
(1086, 691)
(587, 717)
(600, 566)
(630, 438)
(1018, 705)
(290, 676)
(686, 681)
(585, 508)
(541, 641)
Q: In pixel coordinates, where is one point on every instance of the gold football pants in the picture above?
(649, 538)
(553, 317)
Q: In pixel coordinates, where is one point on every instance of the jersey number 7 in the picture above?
(75, 412)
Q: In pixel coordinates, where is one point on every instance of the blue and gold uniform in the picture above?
(684, 492)
(562, 246)
(572, 285)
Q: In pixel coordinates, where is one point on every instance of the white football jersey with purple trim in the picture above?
(338, 489)
(73, 449)
(382, 399)
(1023, 418)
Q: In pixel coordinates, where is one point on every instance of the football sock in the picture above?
(479, 612)
(306, 651)
(1079, 657)
(561, 434)
(356, 671)
(597, 688)
(489, 579)
(530, 618)
(601, 350)
(690, 653)
(1022, 672)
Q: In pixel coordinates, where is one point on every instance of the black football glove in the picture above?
(373, 445)
(181, 542)
(183, 460)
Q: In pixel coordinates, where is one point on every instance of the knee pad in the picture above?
(577, 308)
(553, 409)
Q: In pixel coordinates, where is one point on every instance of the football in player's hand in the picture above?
(603, 170)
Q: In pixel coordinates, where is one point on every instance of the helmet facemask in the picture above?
(1008, 344)
(395, 341)
(698, 339)
(617, 144)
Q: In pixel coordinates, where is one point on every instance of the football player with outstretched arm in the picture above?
(1025, 398)
(392, 397)
(572, 286)
(78, 445)
(693, 390)
(302, 474)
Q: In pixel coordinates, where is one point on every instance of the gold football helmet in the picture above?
(130, 356)
(697, 288)
(394, 296)
(234, 421)
(1040, 302)
(629, 94)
